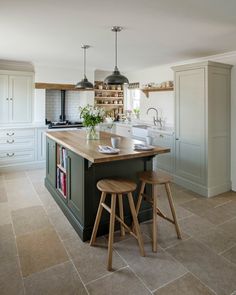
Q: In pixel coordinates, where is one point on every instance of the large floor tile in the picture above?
(39, 250)
(37, 174)
(221, 214)
(218, 240)
(48, 202)
(11, 282)
(155, 269)
(29, 219)
(3, 194)
(229, 226)
(5, 216)
(230, 254)
(186, 285)
(58, 280)
(212, 269)
(39, 186)
(91, 262)
(166, 234)
(14, 175)
(8, 250)
(62, 225)
(195, 225)
(118, 283)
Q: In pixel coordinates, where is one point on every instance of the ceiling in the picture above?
(50, 32)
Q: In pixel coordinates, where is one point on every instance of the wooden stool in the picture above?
(151, 177)
(117, 187)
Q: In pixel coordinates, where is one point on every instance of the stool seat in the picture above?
(116, 186)
(153, 177)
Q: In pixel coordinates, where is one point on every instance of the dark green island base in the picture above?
(82, 197)
(80, 207)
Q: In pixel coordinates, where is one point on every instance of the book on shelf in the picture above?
(63, 156)
(61, 182)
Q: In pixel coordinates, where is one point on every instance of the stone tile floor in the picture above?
(40, 253)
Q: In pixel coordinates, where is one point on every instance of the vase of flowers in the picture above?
(92, 116)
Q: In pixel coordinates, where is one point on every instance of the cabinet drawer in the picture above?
(13, 157)
(18, 143)
(8, 133)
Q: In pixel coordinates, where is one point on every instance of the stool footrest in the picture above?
(158, 211)
(129, 230)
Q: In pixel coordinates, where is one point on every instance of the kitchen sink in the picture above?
(141, 126)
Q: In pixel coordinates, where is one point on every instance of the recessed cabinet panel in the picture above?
(4, 99)
(188, 161)
(20, 95)
(51, 162)
(75, 184)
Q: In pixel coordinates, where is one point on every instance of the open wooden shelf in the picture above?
(107, 90)
(53, 86)
(110, 104)
(156, 89)
(109, 97)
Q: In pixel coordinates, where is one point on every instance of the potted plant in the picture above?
(92, 116)
(136, 113)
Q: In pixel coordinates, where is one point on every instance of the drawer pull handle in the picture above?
(10, 134)
(10, 155)
(161, 135)
(11, 141)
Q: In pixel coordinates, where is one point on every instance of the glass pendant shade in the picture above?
(84, 83)
(116, 78)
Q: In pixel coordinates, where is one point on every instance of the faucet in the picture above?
(155, 118)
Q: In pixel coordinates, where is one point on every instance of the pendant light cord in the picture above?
(116, 49)
(84, 62)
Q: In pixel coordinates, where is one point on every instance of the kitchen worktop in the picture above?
(76, 141)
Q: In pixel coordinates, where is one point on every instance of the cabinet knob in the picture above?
(161, 135)
(177, 139)
(12, 141)
(10, 155)
(7, 98)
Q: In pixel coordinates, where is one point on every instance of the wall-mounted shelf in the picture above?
(155, 89)
(110, 104)
(107, 90)
(53, 86)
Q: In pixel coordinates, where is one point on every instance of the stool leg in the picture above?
(136, 224)
(140, 197)
(154, 216)
(121, 209)
(172, 208)
(111, 231)
(97, 220)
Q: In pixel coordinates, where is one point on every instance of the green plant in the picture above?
(91, 115)
(136, 111)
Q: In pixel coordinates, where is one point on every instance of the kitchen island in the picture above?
(73, 167)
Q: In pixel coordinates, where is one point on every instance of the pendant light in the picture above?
(116, 78)
(84, 83)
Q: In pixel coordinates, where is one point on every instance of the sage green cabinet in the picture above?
(51, 162)
(75, 184)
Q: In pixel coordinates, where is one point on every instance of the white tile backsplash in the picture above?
(53, 105)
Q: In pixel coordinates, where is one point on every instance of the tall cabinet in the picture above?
(202, 120)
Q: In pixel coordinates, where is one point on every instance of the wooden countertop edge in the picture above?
(109, 158)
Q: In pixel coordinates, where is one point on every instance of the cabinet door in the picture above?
(51, 162)
(4, 99)
(123, 131)
(20, 98)
(75, 184)
(164, 161)
(41, 144)
(190, 124)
